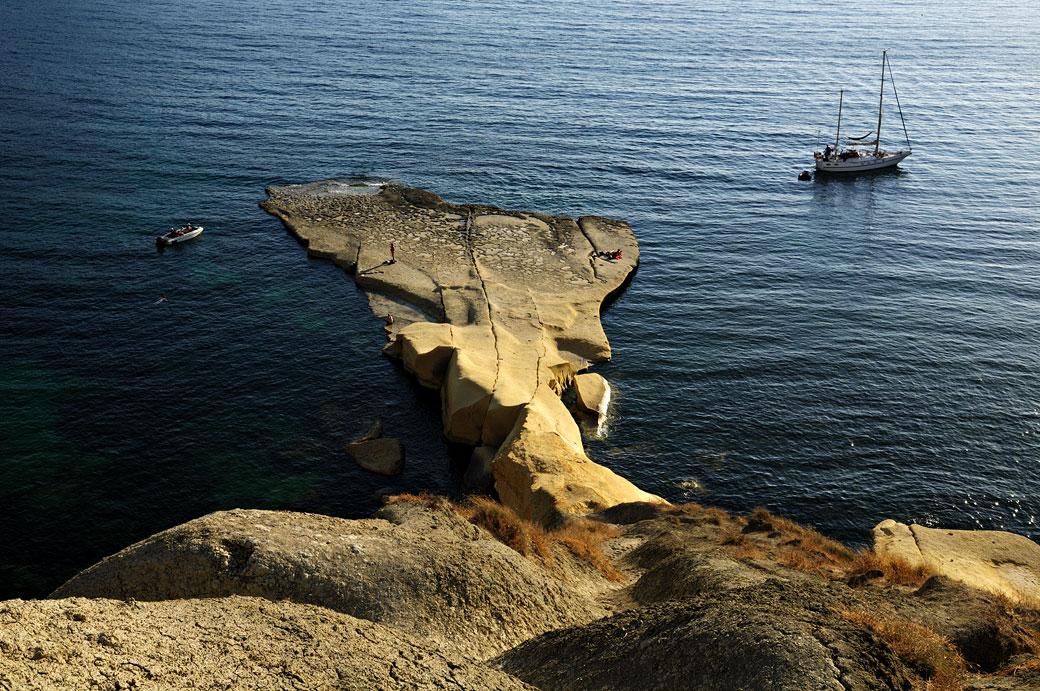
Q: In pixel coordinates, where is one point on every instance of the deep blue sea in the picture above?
(839, 351)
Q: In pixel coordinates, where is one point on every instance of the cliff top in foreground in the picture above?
(432, 595)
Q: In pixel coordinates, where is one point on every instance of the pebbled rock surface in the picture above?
(425, 571)
(218, 643)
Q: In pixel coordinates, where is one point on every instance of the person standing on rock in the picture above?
(393, 258)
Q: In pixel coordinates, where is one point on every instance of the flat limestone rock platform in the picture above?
(497, 309)
(993, 560)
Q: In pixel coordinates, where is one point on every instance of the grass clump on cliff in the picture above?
(895, 570)
(427, 499)
(931, 655)
(805, 548)
(526, 537)
(583, 538)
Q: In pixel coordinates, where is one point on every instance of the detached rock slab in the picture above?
(425, 571)
(999, 562)
(231, 642)
(593, 394)
(384, 456)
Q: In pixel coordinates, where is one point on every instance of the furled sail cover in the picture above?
(856, 139)
(862, 143)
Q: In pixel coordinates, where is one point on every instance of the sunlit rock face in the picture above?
(1003, 563)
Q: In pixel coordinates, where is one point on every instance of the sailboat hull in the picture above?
(860, 164)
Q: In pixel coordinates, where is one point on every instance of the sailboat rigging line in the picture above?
(841, 97)
(893, 80)
(881, 98)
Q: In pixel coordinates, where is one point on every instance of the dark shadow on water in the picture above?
(612, 296)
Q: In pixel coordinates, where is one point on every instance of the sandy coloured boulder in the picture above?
(593, 396)
(1000, 562)
(541, 470)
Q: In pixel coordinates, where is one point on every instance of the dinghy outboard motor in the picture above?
(804, 175)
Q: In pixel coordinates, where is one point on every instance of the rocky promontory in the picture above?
(496, 309)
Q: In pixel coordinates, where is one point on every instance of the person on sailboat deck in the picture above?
(827, 152)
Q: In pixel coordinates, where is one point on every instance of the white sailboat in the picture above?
(856, 156)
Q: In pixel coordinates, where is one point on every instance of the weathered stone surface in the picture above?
(775, 637)
(512, 303)
(384, 456)
(231, 642)
(425, 571)
(993, 560)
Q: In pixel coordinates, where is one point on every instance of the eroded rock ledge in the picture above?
(497, 309)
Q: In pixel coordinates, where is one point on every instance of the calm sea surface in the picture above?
(839, 351)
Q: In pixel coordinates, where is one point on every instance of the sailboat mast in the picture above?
(881, 98)
(837, 134)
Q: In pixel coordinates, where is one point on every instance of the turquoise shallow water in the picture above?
(840, 351)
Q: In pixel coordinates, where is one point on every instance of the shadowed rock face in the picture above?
(776, 636)
(231, 642)
(497, 309)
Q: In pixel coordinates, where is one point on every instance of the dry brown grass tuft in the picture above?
(809, 538)
(731, 535)
(808, 550)
(584, 539)
(810, 561)
(708, 514)
(896, 570)
(1014, 670)
(748, 550)
(526, 537)
(581, 537)
(742, 545)
(427, 499)
(927, 652)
